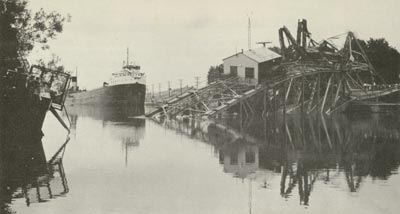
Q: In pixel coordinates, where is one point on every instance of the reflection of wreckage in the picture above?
(302, 150)
(27, 93)
(25, 173)
(51, 185)
(312, 77)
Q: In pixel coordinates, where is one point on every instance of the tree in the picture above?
(384, 58)
(53, 64)
(21, 30)
(215, 73)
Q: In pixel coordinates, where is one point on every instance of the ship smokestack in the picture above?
(74, 83)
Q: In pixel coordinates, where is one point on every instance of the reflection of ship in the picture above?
(128, 131)
(27, 93)
(25, 174)
(130, 139)
(102, 112)
(126, 89)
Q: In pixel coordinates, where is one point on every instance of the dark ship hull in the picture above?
(21, 112)
(123, 98)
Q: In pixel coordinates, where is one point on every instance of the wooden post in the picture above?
(326, 131)
(334, 83)
(169, 88)
(302, 95)
(274, 111)
(288, 91)
(240, 116)
(319, 89)
(180, 85)
(336, 98)
(265, 97)
(302, 111)
(284, 100)
(312, 96)
(284, 113)
(159, 90)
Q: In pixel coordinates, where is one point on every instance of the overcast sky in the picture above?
(180, 39)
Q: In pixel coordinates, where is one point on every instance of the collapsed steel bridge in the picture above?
(313, 77)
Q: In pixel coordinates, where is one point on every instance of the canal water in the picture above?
(113, 164)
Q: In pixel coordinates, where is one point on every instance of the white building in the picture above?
(253, 65)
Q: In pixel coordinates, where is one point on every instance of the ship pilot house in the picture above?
(253, 66)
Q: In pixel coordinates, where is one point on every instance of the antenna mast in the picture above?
(249, 34)
(264, 43)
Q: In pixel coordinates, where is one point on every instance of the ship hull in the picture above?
(21, 111)
(126, 97)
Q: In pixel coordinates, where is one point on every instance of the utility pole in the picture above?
(180, 85)
(197, 82)
(169, 88)
(76, 75)
(152, 93)
(159, 90)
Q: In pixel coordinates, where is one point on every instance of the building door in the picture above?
(249, 73)
(234, 71)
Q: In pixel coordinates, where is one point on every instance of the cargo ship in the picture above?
(125, 92)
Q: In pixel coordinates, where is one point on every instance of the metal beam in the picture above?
(314, 89)
(288, 90)
(326, 93)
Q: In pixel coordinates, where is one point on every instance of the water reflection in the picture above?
(240, 159)
(260, 165)
(26, 175)
(103, 113)
(118, 122)
(305, 152)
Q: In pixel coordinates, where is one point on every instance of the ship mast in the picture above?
(127, 56)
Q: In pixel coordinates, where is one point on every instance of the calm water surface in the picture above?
(343, 164)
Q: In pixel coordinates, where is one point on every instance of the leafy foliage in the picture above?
(215, 73)
(21, 30)
(53, 64)
(384, 58)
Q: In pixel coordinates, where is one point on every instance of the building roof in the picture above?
(259, 55)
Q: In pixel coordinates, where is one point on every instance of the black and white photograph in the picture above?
(199, 107)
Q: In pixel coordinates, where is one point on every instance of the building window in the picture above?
(233, 71)
(249, 73)
(234, 158)
(250, 157)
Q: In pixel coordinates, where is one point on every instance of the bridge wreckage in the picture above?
(322, 75)
(26, 94)
(312, 77)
